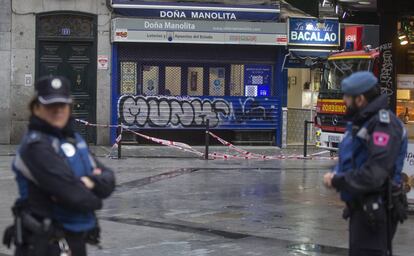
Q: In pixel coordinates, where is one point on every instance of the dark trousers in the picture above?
(76, 243)
(368, 240)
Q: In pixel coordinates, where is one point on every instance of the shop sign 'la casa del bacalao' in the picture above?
(313, 32)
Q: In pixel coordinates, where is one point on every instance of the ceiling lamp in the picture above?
(364, 2)
(404, 42)
(402, 36)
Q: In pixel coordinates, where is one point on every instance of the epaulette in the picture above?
(37, 136)
(34, 137)
(384, 116)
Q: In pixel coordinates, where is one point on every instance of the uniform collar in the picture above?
(381, 102)
(37, 124)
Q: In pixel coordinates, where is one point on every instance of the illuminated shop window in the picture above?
(172, 81)
(150, 80)
(257, 80)
(405, 70)
(195, 81)
(217, 81)
(405, 98)
(128, 78)
(237, 80)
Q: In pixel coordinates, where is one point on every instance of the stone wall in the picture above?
(5, 75)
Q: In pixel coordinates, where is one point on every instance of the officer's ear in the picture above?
(360, 101)
(33, 104)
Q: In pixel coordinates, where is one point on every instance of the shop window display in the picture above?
(237, 80)
(195, 81)
(172, 81)
(217, 81)
(405, 98)
(150, 80)
(405, 71)
(179, 79)
(128, 78)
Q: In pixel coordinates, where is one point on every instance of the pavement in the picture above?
(183, 205)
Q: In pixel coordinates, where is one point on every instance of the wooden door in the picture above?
(66, 46)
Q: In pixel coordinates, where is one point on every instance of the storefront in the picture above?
(405, 73)
(310, 42)
(397, 70)
(405, 89)
(189, 64)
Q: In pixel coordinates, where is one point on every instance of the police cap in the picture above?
(53, 89)
(358, 83)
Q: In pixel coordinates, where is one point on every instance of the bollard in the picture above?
(119, 132)
(207, 139)
(305, 138)
(87, 133)
(284, 127)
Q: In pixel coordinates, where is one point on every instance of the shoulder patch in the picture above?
(384, 116)
(381, 139)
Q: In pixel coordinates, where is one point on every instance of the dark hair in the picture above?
(372, 94)
(34, 102)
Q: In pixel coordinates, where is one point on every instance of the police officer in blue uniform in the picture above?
(60, 183)
(368, 173)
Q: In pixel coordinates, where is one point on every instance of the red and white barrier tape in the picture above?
(86, 123)
(116, 144)
(169, 143)
(241, 153)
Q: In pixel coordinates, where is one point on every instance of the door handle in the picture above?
(78, 80)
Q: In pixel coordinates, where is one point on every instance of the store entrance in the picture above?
(180, 87)
(69, 50)
(303, 90)
(73, 60)
(405, 74)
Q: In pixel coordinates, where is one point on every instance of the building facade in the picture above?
(160, 66)
(54, 37)
(187, 63)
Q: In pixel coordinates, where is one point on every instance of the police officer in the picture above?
(371, 156)
(60, 183)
